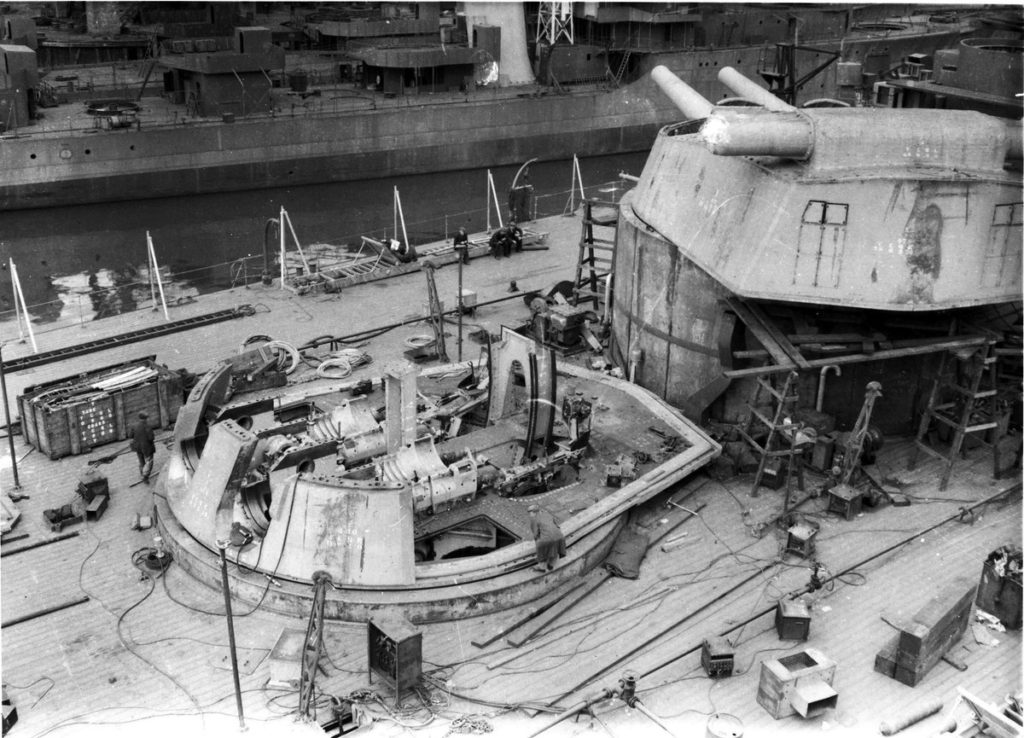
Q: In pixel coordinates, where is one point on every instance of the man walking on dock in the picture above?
(143, 445)
(548, 538)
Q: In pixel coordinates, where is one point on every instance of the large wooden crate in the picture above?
(74, 415)
(921, 643)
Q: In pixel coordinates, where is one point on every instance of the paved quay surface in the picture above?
(151, 656)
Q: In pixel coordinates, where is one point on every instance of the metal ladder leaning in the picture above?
(776, 425)
(957, 413)
(313, 647)
(595, 264)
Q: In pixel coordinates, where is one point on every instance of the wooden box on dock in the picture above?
(800, 684)
(74, 415)
(921, 643)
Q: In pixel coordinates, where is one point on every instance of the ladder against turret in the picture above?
(778, 424)
(595, 264)
(969, 408)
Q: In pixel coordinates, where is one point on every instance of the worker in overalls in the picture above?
(143, 445)
(547, 537)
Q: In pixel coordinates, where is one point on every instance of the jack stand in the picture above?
(625, 692)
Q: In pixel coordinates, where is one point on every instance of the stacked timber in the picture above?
(74, 415)
(911, 653)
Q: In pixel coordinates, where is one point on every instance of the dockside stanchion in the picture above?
(399, 217)
(20, 308)
(492, 195)
(577, 181)
(459, 301)
(154, 276)
(298, 246)
(7, 419)
(280, 229)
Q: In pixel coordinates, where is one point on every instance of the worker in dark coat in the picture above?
(461, 245)
(143, 445)
(516, 236)
(547, 536)
(500, 243)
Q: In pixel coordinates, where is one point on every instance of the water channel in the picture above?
(79, 263)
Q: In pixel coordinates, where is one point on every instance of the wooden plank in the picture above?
(766, 339)
(798, 338)
(45, 611)
(530, 615)
(562, 606)
(778, 336)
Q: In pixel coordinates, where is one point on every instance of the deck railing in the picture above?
(183, 286)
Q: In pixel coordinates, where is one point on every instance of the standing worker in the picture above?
(548, 538)
(461, 245)
(143, 446)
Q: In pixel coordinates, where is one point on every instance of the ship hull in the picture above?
(411, 135)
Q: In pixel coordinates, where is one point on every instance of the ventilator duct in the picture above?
(513, 63)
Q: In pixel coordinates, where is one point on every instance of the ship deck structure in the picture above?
(137, 652)
(779, 426)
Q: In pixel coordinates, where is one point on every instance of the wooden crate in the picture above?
(910, 654)
(797, 684)
(74, 415)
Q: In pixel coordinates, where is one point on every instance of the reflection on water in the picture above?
(87, 296)
(85, 262)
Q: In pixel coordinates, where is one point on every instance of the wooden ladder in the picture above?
(776, 425)
(595, 263)
(436, 314)
(973, 410)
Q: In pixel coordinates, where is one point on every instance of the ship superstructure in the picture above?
(415, 89)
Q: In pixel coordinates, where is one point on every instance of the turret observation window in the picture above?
(1003, 252)
(822, 239)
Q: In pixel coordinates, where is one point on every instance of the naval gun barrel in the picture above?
(752, 132)
(750, 90)
(690, 102)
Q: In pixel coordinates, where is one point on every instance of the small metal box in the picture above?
(822, 452)
(716, 656)
(845, 500)
(800, 540)
(792, 620)
(394, 652)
